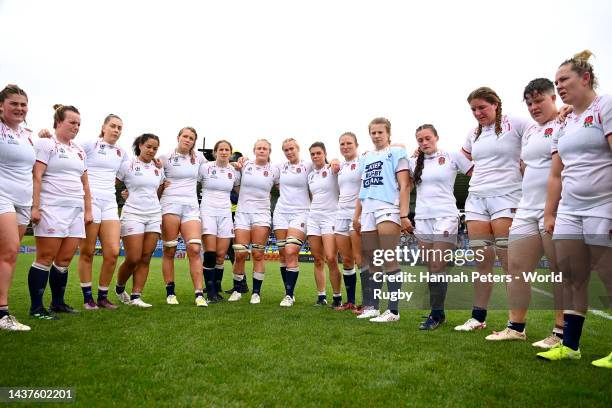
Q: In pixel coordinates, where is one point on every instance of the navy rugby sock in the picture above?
(58, 278)
(479, 314)
(572, 330)
(170, 288)
(350, 283)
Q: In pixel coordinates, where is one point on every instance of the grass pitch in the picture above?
(263, 355)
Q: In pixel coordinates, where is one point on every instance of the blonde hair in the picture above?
(108, 119)
(288, 140)
(196, 139)
(269, 146)
(381, 121)
(579, 63)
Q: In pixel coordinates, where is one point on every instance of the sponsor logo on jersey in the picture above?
(373, 174)
(588, 121)
(299, 170)
(548, 133)
(62, 153)
(441, 161)
(214, 172)
(446, 234)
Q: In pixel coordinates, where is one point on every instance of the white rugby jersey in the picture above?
(255, 185)
(435, 193)
(535, 153)
(349, 183)
(17, 157)
(496, 158)
(583, 147)
(217, 184)
(182, 172)
(103, 162)
(142, 181)
(61, 183)
(323, 185)
(293, 185)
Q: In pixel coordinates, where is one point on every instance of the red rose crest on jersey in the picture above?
(548, 132)
(441, 161)
(266, 173)
(156, 172)
(229, 176)
(299, 170)
(118, 152)
(588, 121)
(324, 174)
(353, 166)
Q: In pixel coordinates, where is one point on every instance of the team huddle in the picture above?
(538, 187)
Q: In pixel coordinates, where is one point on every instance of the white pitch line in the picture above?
(596, 312)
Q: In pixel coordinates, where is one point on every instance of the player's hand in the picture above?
(167, 183)
(158, 163)
(241, 161)
(35, 216)
(406, 226)
(549, 224)
(88, 217)
(563, 112)
(44, 133)
(334, 164)
(357, 225)
(125, 194)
